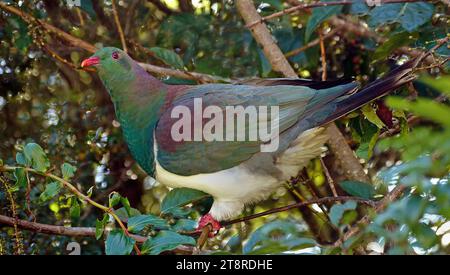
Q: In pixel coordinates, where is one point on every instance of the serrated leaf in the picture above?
(318, 16)
(338, 210)
(35, 155)
(138, 223)
(179, 197)
(164, 241)
(117, 243)
(51, 190)
(358, 189)
(409, 15)
(68, 170)
(168, 56)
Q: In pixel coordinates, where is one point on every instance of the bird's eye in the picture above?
(115, 55)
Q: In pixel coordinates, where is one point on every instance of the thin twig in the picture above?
(323, 55)
(206, 231)
(79, 43)
(300, 204)
(75, 191)
(392, 196)
(74, 231)
(28, 200)
(311, 44)
(119, 27)
(17, 236)
(329, 178)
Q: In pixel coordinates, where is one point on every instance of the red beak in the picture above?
(91, 61)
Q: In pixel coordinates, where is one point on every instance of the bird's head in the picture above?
(110, 61)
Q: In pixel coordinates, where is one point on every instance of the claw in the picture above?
(208, 219)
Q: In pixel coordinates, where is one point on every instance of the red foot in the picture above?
(208, 219)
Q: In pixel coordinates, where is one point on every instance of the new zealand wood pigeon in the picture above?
(235, 172)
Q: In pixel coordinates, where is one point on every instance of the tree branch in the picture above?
(279, 63)
(69, 186)
(312, 43)
(392, 196)
(74, 231)
(362, 31)
(79, 43)
(119, 26)
(300, 204)
(264, 38)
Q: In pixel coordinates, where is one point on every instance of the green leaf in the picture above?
(276, 237)
(372, 116)
(21, 177)
(164, 241)
(184, 225)
(20, 159)
(114, 199)
(137, 223)
(124, 215)
(425, 235)
(394, 42)
(100, 226)
(318, 16)
(51, 190)
(35, 155)
(117, 243)
(359, 8)
(441, 83)
(409, 15)
(89, 191)
(126, 204)
(68, 170)
(86, 6)
(169, 57)
(75, 209)
(179, 197)
(338, 210)
(424, 107)
(358, 189)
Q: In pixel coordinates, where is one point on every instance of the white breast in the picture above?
(235, 187)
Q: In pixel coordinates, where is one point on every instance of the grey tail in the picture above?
(388, 83)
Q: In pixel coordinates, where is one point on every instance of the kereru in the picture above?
(237, 172)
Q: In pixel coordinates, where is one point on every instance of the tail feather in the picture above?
(388, 83)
